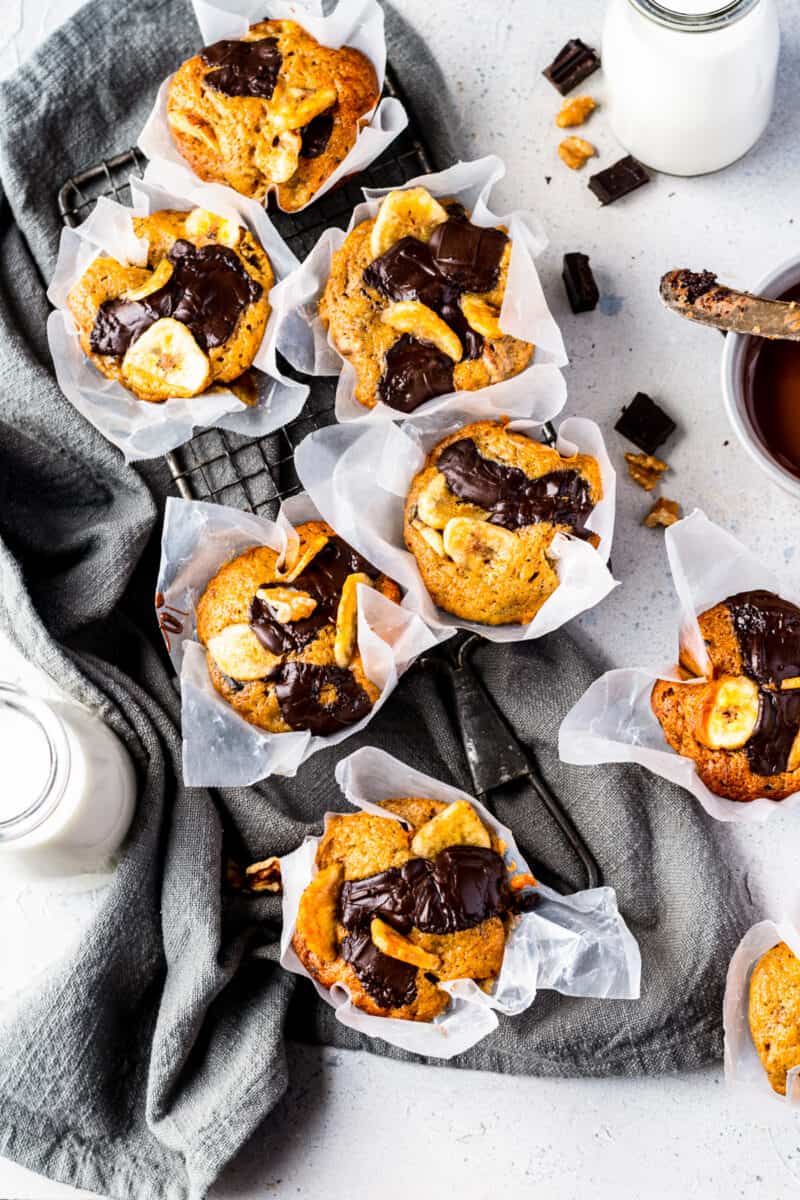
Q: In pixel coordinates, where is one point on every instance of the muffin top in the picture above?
(741, 725)
(398, 906)
(481, 515)
(193, 317)
(274, 108)
(774, 1013)
(281, 638)
(413, 302)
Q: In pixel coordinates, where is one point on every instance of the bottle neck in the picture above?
(672, 14)
(34, 760)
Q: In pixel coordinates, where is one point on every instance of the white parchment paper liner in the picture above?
(355, 23)
(220, 748)
(359, 477)
(138, 428)
(613, 720)
(538, 392)
(578, 945)
(743, 1067)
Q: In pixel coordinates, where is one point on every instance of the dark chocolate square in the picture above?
(573, 63)
(645, 424)
(618, 180)
(580, 283)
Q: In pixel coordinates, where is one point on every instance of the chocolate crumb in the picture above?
(697, 283)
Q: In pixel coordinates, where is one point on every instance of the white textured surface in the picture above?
(354, 1123)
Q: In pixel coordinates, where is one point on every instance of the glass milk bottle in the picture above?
(690, 82)
(68, 788)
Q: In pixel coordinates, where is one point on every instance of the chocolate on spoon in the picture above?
(700, 298)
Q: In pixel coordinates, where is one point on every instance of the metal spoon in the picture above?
(700, 298)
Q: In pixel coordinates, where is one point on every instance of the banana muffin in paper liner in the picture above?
(359, 478)
(743, 1067)
(221, 748)
(578, 945)
(539, 391)
(355, 23)
(139, 428)
(614, 722)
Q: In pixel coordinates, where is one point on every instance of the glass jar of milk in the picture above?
(68, 788)
(690, 82)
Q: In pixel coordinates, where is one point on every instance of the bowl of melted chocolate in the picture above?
(761, 388)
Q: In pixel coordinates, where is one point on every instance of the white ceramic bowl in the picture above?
(734, 358)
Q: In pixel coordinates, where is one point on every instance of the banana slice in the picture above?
(436, 504)
(288, 574)
(431, 536)
(316, 913)
(413, 213)
(239, 654)
(456, 825)
(277, 156)
(299, 106)
(166, 359)
(422, 323)
(201, 223)
(477, 545)
(392, 943)
(482, 317)
(156, 281)
(729, 713)
(347, 619)
(794, 754)
(789, 685)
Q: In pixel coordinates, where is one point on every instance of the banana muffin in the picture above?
(395, 908)
(481, 514)
(281, 639)
(774, 1013)
(193, 317)
(274, 108)
(741, 724)
(413, 302)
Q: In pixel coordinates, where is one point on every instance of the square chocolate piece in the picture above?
(580, 283)
(618, 180)
(574, 63)
(645, 424)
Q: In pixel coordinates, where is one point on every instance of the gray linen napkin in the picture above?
(148, 1057)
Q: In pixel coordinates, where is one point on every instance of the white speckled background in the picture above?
(354, 1124)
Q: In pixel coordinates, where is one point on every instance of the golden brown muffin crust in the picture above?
(774, 1013)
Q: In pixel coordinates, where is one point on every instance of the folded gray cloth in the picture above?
(151, 1054)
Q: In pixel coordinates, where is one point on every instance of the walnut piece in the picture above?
(287, 603)
(574, 111)
(264, 876)
(575, 151)
(663, 512)
(645, 469)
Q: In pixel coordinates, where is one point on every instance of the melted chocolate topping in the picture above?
(461, 888)
(460, 257)
(243, 68)
(301, 690)
(314, 136)
(208, 291)
(323, 579)
(511, 497)
(767, 629)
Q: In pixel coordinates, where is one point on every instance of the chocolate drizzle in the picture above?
(208, 291)
(243, 68)
(460, 257)
(511, 497)
(462, 887)
(302, 690)
(314, 136)
(767, 629)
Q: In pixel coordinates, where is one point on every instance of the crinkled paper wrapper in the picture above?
(355, 23)
(220, 748)
(743, 1067)
(359, 476)
(141, 429)
(578, 945)
(614, 722)
(539, 392)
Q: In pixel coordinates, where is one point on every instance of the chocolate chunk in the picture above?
(468, 255)
(315, 136)
(512, 498)
(618, 180)
(579, 281)
(243, 68)
(207, 291)
(414, 372)
(321, 699)
(574, 63)
(390, 982)
(645, 424)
